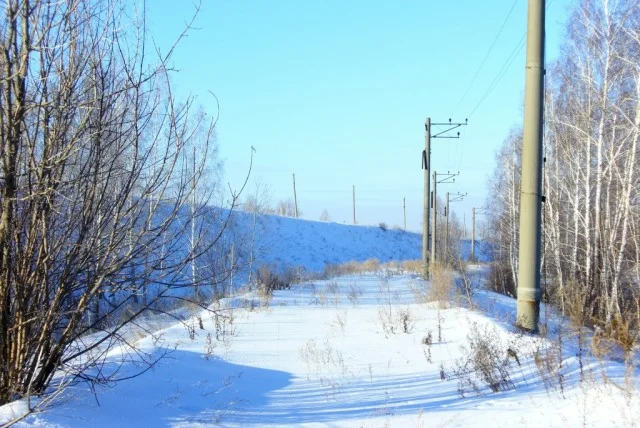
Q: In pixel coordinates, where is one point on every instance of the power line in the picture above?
(475, 76)
(510, 59)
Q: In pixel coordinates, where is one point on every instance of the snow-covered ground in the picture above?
(284, 242)
(364, 350)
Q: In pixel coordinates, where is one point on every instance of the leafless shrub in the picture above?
(467, 282)
(441, 286)
(210, 347)
(322, 359)
(428, 339)
(371, 266)
(340, 322)
(270, 280)
(414, 266)
(420, 293)
(486, 359)
(332, 287)
(396, 321)
(548, 360)
(354, 294)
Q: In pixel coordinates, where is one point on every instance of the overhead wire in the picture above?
(486, 56)
(507, 64)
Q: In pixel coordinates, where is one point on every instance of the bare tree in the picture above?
(96, 202)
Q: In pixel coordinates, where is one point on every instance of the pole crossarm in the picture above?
(447, 177)
(451, 127)
(481, 210)
(456, 197)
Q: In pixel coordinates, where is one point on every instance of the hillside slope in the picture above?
(283, 242)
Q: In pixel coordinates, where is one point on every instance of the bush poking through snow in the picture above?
(369, 266)
(548, 360)
(487, 360)
(414, 266)
(393, 322)
(428, 339)
(441, 285)
(354, 294)
(270, 281)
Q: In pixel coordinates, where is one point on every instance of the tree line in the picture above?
(591, 176)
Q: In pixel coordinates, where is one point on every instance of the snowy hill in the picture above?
(284, 242)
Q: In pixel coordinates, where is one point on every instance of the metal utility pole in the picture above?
(456, 198)
(531, 183)
(295, 198)
(404, 212)
(475, 211)
(446, 178)
(354, 204)
(426, 165)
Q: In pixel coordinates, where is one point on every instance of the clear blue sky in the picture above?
(337, 92)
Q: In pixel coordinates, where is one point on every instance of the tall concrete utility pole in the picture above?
(426, 165)
(531, 182)
(426, 158)
(434, 204)
(354, 204)
(446, 235)
(295, 197)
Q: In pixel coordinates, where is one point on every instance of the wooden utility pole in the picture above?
(354, 204)
(531, 182)
(404, 212)
(295, 197)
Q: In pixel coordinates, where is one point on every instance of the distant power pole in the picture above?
(456, 198)
(426, 165)
(531, 186)
(464, 224)
(354, 204)
(404, 212)
(475, 211)
(295, 198)
(446, 178)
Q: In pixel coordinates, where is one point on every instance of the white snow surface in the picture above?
(322, 354)
(284, 242)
